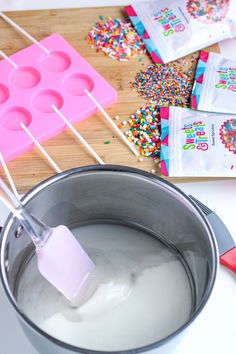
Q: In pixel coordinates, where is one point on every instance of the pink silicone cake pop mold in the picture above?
(40, 80)
(13, 116)
(4, 93)
(77, 83)
(56, 62)
(25, 77)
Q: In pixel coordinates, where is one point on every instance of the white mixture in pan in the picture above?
(144, 295)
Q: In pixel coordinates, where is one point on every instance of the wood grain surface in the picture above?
(73, 25)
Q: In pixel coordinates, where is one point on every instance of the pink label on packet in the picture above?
(130, 11)
(164, 170)
(204, 56)
(165, 141)
(200, 79)
(145, 35)
(194, 102)
(156, 58)
(165, 112)
(168, 21)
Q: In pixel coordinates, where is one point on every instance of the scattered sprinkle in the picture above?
(117, 118)
(116, 38)
(102, 18)
(140, 159)
(145, 130)
(107, 142)
(120, 126)
(153, 171)
(124, 122)
(167, 84)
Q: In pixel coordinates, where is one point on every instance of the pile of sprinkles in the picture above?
(208, 11)
(145, 126)
(167, 84)
(116, 38)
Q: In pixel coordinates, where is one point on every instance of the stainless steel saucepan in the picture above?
(128, 196)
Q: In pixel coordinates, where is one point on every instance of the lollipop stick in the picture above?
(109, 119)
(39, 146)
(78, 136)
(10, 61)
(26, 34)
(10, 180)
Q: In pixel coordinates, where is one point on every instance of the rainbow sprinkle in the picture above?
(208, 11)
(116, 38)
(145, 130)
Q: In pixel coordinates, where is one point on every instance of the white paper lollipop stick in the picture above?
(39, 146)
(10, 61)
(78, 136)
(26, 34)
(109, 119)
(10, 180)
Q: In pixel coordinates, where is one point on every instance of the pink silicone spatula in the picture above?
(61, 259)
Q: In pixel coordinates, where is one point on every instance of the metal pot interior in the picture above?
(123, 196)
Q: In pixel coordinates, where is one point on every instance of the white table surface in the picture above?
(12, 5)
(214, 331)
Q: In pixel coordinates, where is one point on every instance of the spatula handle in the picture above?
(37, 230)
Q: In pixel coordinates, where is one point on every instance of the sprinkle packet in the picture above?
(196, 143)
(214, 88)
(172, 29)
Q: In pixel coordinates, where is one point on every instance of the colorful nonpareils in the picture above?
(145, 130)
(116, 38)
(169, 84)
(208, 11)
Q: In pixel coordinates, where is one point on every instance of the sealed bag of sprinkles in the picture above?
(172, 29)
(196, 143)
(214, 88)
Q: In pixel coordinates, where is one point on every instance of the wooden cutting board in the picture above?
(73, 25)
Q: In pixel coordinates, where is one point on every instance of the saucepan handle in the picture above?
(229, 259)
(225, 241)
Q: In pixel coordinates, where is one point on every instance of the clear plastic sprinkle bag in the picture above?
(172, 29)
(196, 143)
(214, 88)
